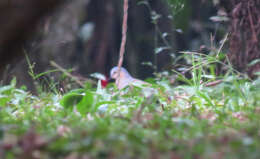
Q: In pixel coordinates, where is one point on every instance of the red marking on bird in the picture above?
(104, 83)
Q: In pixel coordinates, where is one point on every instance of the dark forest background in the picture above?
(85, 35)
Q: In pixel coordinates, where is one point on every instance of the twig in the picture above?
(222, 44)
(162, 107)
(213, 83)
(54, 64)
(123, 42)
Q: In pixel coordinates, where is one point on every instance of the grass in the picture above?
(188, 120)
(210, 111)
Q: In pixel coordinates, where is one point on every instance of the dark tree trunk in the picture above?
(18, 20)
(245, 34)
(59, 37)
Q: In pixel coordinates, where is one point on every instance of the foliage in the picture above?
(203, 109)
(195, 119)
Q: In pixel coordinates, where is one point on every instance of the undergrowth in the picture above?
(204, 116)
(203, 109)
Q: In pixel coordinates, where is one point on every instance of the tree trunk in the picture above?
(18, 20)
(245, 34)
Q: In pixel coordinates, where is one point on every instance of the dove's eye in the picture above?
(114, 73)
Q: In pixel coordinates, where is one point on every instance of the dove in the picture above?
(125, 78)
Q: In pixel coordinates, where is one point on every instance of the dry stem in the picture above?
(123, 42)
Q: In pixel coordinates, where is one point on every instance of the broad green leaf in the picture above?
(86, 104)
(3, 100)
(70, 99)
(6, 89)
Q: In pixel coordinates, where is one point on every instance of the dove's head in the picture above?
(123, 73)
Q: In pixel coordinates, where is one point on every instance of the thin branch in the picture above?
(54, 64)
(213, 83)
(222, 44)
(123, 42)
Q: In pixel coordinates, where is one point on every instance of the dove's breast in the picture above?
(123, 82)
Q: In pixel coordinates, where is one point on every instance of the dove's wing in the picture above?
(139, 83)
(123, 82)
(146, 87)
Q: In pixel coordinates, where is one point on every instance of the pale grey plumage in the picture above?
(125, 78)
(122, 69)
